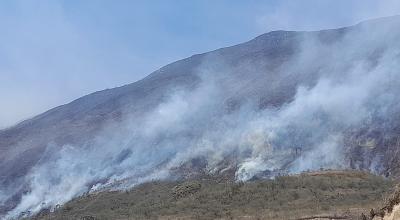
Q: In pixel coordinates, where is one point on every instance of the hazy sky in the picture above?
(52, 52)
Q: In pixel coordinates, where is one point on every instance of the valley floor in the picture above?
(338, 194)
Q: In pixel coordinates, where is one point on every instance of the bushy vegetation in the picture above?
(340, 193)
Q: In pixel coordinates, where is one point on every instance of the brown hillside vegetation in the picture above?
(317, 195)
(390, 210)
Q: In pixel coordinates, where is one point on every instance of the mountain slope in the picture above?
(282, 102)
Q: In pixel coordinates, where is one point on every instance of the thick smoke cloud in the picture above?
(357, 80)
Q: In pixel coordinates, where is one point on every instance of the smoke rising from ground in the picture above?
(355, 80)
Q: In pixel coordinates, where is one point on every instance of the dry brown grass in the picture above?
(333, 193)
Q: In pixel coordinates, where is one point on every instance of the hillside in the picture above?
(282, 103)
(344, 194)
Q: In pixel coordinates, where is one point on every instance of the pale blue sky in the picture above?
(52, 52)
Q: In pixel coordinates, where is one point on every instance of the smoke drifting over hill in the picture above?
(333, 82)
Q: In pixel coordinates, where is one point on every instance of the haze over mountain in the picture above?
(283, 102)
(54, 52)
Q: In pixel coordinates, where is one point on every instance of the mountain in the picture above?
(284, 102)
